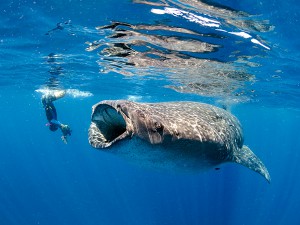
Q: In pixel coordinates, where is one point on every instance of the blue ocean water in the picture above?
(239, 55)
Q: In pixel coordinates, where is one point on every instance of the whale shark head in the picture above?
(112, 121)
(108, 125)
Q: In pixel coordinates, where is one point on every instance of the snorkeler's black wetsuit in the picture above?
(51, 115)
(50, 111)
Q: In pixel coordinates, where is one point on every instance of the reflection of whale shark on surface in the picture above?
(177, 136)
(175, 53)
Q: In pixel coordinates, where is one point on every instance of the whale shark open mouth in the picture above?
(107, 126)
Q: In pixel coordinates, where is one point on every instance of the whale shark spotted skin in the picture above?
(176, 136)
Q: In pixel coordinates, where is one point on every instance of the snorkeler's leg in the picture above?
(49, 97)
(59, 94)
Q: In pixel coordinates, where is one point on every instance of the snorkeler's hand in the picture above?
(66, 130)
(64, 139)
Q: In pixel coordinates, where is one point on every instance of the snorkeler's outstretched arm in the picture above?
(66, 130)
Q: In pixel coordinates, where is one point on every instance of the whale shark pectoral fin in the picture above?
(247, 158)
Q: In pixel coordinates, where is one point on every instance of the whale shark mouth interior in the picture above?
(109, 122)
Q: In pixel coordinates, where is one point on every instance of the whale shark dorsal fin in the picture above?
(247, 158)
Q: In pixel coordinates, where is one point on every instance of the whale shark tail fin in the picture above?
(247, 158)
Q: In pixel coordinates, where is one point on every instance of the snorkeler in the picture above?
(51, 114)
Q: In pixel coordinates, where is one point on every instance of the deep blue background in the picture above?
(43, 181)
